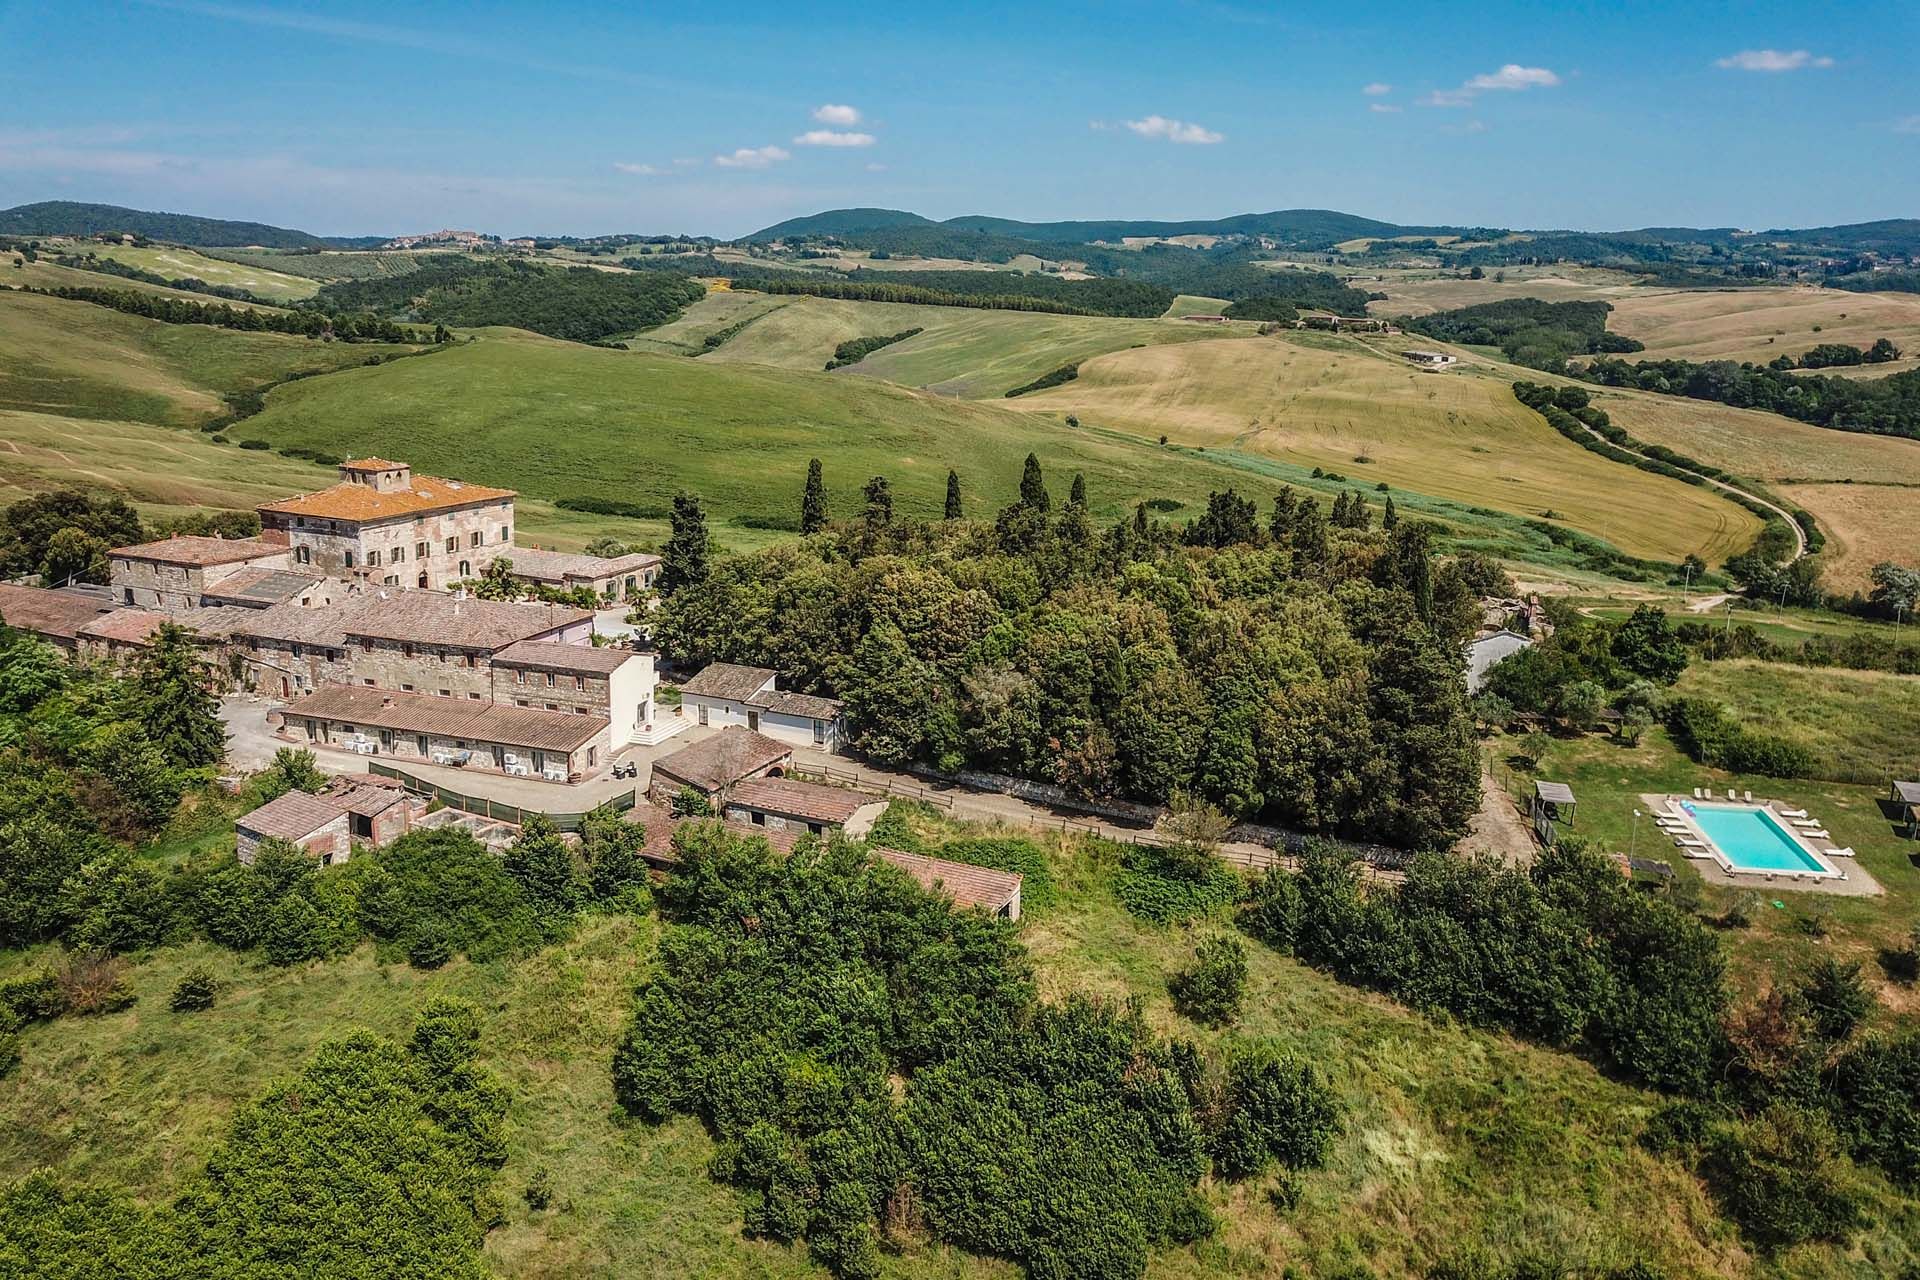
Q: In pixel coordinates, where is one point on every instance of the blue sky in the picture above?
(360, 118)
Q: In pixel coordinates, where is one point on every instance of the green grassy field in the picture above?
(1863, 726)
(17, 272)
(175, 263)
(1356, 407)
(1455, 1140)
(963, 351)
(555, 419)
(77, 359)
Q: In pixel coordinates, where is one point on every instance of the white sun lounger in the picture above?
(1730, 794)
(1841, 853)
(1687, 842)
(1815, 834)
(1793, 813)
(1699, 794)
(1747, 796)
(1804, 822)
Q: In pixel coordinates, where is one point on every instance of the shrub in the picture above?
(1156, 886)
(688, 803)
(33, 997)
(293, 931)
(1270, 908)
(1779, 1177)
(195, 991)
(1835, 999)
(1875, 1099)
(1277, 1108)
(539, 1192)
(95, 982)
(1211, 990)
(1006, 853)
(430, 946)
(9, 1043)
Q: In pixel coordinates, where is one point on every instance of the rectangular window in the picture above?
(419, 551)
(406, 688)
(453, 544)
(703, 713)
(446, 693)
(399, 554)
(478, 537)
(373, 559)
(506, 533)
(420, 743)
(472, 695)
(549, 679)
(579, 682)
(553, 706)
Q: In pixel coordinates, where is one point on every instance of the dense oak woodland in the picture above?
(1540, 335)
(577, 303)
(1884, 406)
(1282, 668)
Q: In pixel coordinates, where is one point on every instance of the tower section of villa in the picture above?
(382, 525)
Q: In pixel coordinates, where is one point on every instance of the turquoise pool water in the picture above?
(1752, 839)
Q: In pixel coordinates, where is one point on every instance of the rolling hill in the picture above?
(70, 218)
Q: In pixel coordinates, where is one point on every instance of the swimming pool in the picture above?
(1749, 838)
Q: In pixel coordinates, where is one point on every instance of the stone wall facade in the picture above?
(432, 550)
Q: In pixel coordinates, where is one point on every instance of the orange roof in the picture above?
(373, 464)
(360, 502)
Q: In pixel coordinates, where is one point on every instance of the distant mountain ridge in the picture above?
(72, 218)
(1320, 227)
(1328, 226)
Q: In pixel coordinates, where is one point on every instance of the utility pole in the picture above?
(1633, 841)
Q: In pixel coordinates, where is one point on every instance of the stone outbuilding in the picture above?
(789, 804)
(354, 809)
(713, 764)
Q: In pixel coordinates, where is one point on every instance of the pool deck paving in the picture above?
(1854, 881)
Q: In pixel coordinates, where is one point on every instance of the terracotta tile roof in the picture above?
(729, 681)
(361, 503)
(293, 816)
(460, 718)
(364, 800)
(373, 464)
(295, 624)
(804, 706)
(660, 826)
(55, 613)
(788, 798)
(261, 586)
(436, 617)
(551, 655)
(558, 566)
(723, 759)
(124, 626)
(191, 549)
(969, 886)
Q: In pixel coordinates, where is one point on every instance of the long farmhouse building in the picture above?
(348, 610)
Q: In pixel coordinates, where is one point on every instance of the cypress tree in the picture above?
(813, 505)
(1077, 497)
(1309, 538)
(1033, 487)
(1391, 518)
(1286, 508)
(879, 503)
(953, 495)
(1141, 526)
(683, 561)
(177, 707)
(1339, 518)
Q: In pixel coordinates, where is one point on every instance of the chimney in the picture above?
(387, 701)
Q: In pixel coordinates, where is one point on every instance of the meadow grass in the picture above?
(555, 420)
(1455, 1139)
(1865, 525)
(1333, 401)
(968, 352)
(175, 263)
(81, 360)
(1862, 726)
(1759, 324)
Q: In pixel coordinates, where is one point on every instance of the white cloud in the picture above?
(833, 138)
(1376, 89)
(1771, 60)
(750, 157)
(1175, 131)
(1383, 108)
(1514, 76)
(1511, 78)
(836, 113)
(639, 170)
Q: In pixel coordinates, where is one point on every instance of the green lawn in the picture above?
(176, 263)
